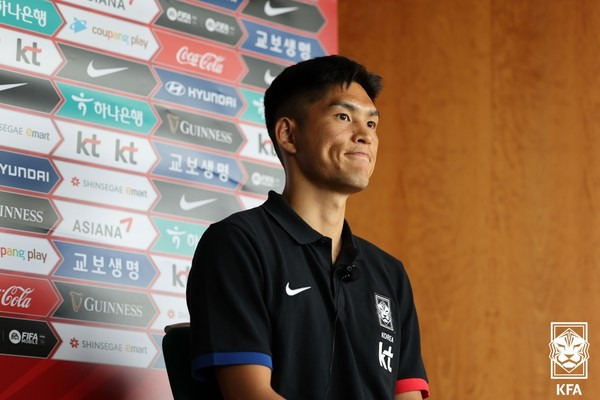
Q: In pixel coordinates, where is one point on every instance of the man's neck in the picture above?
(323, 210)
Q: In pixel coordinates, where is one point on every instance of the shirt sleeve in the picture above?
(411, 372)
(229, 320)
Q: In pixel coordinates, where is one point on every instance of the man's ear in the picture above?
(285, 132)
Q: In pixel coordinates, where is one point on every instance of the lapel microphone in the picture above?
(349, 273)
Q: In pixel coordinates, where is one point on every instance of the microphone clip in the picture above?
(349, 273)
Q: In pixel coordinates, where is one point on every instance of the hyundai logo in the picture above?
(175, 88)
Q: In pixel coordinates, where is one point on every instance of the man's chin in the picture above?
(353, 187)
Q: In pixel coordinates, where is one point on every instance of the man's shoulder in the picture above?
(244, 217)
(240, 230)
(371, 250)
(246, 221)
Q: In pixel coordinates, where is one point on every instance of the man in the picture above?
(284, 301)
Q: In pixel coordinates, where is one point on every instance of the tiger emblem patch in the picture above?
(569, 350)
(384, 312)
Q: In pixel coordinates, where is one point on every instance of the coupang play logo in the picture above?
(106, 33)
(33, 255)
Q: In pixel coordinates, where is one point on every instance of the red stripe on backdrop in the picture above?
(329, 34)
(28, 378)
(152, 385)
(19, 372)
(98, 376)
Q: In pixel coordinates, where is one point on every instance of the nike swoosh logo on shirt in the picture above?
(190, 205)
(275, 11)
(11, 86)
(293, 292)
(269, 78)
(98, 72)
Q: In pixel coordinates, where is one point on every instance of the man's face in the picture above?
(337, 141)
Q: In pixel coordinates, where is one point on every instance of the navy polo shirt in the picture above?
(262, 290)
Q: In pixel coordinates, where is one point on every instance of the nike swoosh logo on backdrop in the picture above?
(11, 86)
(190, 205)
(292, 292)
(268, 77)
(275, 11)
(98, 72)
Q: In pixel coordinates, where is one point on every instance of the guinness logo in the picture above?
(109, 306)
(76, 300)
(173, 123)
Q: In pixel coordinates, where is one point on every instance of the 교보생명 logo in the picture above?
(569, 350)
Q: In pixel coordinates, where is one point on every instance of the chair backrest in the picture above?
(177, 354)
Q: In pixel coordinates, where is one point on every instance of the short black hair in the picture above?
(308, 81)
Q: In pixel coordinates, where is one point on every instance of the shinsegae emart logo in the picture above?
(569, 350)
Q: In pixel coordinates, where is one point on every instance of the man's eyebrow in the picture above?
(352, 107)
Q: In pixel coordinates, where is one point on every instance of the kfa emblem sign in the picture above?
(569, 355)
(569, 350)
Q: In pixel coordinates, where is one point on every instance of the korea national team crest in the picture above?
(384, 312)
(569, 350)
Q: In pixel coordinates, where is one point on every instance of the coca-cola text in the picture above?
(208, 61)
(16, 296)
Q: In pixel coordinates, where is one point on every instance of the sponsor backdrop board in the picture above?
(126, 128)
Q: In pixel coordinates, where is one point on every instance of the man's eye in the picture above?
(343, 117)
(372, 124)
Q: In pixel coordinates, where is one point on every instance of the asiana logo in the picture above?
(569, 350)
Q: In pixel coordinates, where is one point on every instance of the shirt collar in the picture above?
(289, 220)
(299, 229)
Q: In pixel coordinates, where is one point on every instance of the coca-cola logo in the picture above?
(199, 56)
(23, 295)
(16, 296)
(208, 61)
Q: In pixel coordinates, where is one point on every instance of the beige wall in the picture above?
(488, 180)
